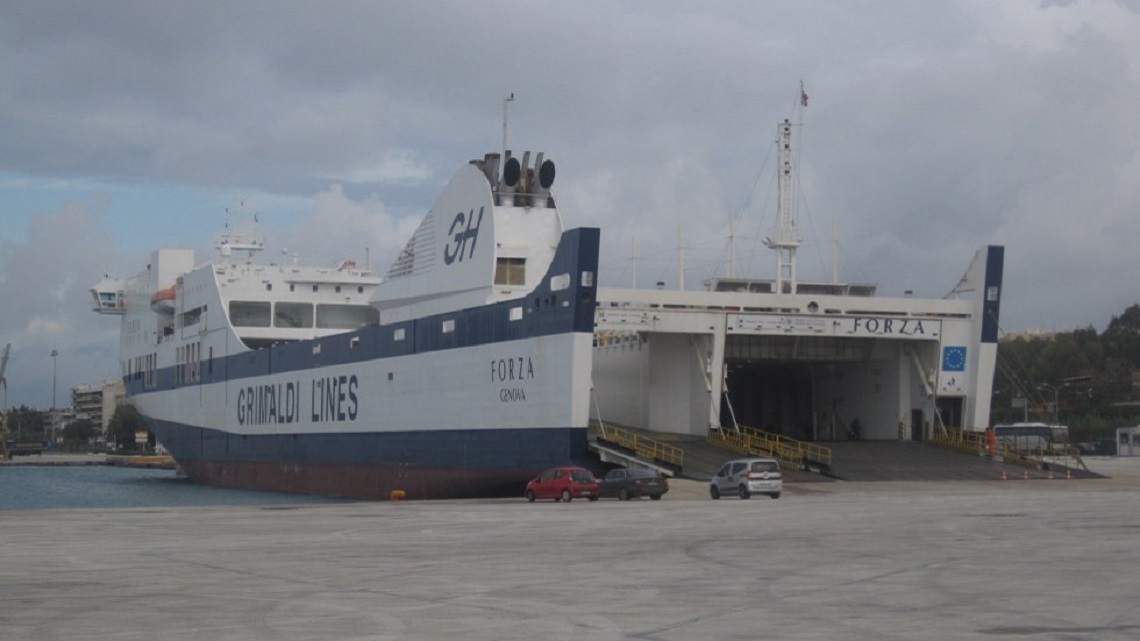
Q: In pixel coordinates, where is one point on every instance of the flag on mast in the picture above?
(803, 95)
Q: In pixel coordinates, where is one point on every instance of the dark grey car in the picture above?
(631, 483)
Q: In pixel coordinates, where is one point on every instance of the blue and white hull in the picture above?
(434, 400)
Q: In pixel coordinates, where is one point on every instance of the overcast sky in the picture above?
(932, 129)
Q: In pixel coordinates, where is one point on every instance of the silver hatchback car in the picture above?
(747, 476)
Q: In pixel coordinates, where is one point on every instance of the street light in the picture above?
(54, 355)
(1056, 399)
(54, 418)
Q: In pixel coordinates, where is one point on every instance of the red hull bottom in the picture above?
(360, 481)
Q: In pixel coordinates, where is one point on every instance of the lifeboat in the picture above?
(162, 301)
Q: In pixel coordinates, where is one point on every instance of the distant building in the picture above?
(54, 422)
(97, 403)
(1028, 334)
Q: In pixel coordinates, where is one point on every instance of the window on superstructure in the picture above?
(338, 289)
(151, 378)
(248, 313)
(194, 357)
(346, 316)
(510, 271)
(293, 315)
(316, 288)
(192, 317)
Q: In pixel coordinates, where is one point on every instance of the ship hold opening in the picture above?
(800, 387)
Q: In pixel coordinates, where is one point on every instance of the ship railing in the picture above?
(965, 441)
(974, 442)
(643, 446)
(789, 451)
(1042, 457)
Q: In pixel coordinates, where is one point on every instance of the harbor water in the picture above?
(28, 486)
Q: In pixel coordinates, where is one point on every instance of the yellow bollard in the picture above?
(397, 495)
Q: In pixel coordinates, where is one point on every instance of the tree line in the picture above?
(29, 425)
(1083, 378)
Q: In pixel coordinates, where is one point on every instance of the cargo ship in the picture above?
(460, 372)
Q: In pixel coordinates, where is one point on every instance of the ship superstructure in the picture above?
(799, 359)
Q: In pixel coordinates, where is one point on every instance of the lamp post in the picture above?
(54, 417)
(54, 353)
(1056, 399)
(1023, 403)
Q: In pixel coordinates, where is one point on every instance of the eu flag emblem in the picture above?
(953, 359)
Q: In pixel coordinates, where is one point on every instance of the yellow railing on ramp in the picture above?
(643, 446)
(973, 442)
(789, 451)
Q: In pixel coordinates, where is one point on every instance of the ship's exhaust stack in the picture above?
(490, 167)
(542, 177)
(510, 183)
(520, 185)
(524, 181)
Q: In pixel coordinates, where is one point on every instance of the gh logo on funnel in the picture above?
(465, 227)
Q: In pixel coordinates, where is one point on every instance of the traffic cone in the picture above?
(1050, 475)
(1068, 474)
(1003, 476)
(1025, 475)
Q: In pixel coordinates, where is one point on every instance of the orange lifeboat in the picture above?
(162, 301)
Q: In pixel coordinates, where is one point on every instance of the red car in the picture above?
(563, 484)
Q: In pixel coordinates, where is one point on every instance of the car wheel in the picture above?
(655, 497)
(775, 495)
(744, 493)
(714, 492)
(623, 494)
(566, 496)
(530, 496)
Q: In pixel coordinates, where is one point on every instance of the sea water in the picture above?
(34, 487)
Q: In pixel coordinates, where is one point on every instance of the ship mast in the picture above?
(785, 237)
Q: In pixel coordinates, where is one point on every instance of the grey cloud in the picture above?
(931, 129)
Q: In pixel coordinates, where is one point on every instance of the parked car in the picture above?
(630, 483)
(563, 484)
(747, 476)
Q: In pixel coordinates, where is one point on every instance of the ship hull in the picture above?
(462, 404)
(461, 373)
(412, 465)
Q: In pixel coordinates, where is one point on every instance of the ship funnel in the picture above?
(541, 179)
(490, 167)
(524, 180)
(507, 186)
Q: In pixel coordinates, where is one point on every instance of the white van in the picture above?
(747, 476)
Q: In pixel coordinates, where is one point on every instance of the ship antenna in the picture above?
(508, 99)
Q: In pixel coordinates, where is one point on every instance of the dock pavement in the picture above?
(1036, 559)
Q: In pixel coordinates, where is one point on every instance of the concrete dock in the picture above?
(854, 561)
